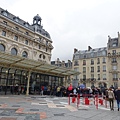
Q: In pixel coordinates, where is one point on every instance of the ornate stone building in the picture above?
(99, 67)
(30, 41)
(25, 55)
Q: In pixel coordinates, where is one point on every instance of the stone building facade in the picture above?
(21, 38)
(99, 67)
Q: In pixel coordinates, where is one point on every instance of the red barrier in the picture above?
(87, 102)
(101, 101)
(96, 99)
(74, 98)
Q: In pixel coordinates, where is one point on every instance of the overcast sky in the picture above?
(71, 23)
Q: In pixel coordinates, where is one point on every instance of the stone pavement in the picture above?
(21, 107)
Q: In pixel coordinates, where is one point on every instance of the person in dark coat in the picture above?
(117, 97)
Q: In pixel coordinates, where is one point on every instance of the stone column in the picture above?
(28, 83)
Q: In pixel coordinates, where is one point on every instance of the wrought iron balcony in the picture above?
(115, 79)
(114, 54)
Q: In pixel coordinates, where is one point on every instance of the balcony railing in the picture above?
(104, 70)
(115, 78)
(98, 70)
(114, 54)
(114, 61)
(76, 64)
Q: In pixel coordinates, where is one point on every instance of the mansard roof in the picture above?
(19, 21)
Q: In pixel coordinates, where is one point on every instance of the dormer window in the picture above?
(5, 13)
(114, 44)
(16, 19)
(26, 24)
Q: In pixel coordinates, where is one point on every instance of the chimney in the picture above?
(75, 50)
(118, 39)
(89, 48)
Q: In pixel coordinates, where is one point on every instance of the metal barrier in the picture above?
(97, 99)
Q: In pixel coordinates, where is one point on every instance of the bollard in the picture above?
(73, 99)
(101, 101)
(87, 102)
(69, 100)
(96, 102)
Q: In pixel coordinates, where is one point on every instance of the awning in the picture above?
(13, 61)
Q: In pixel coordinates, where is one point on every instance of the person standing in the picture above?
(111, 98)
(117, 97)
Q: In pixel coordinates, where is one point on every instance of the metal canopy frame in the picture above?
(13, 61)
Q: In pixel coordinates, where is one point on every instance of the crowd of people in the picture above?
(110, 94)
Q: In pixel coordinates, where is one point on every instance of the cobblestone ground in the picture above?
(21, 107)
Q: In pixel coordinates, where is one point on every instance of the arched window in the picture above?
(2, 47)
(25, 54)
(14, 51)
(43, 56)
(40, 56)
(26, 42)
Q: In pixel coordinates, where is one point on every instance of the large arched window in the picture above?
(25, 54)
(2, 47)
(14, 51)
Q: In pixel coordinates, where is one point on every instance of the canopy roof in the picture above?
(13, 61)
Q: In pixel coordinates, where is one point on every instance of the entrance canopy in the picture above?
(13, 61)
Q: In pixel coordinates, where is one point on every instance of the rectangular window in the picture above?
(16, 28)
(84, 77)
(98, 68)
(92, 76)
(114, 67)
(104, 68)
(16, 38)
(39, 46)
(104, 76)
(98, 76)
(84, 69)
(114, 60)
(76, 69)
(92, 69)
(104, 60)
(113, 52)
(5, 22)
(27, 33)
(115, 75)
(3, 33)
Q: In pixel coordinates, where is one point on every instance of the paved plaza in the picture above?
(21, 107)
